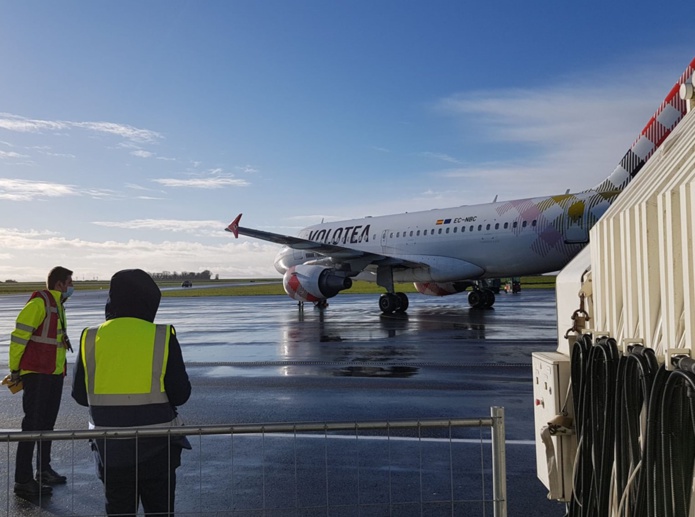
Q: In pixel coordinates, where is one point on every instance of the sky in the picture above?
(132, 133)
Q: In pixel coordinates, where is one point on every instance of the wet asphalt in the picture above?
(262, 360)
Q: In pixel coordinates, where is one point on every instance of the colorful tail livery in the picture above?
(449, 250)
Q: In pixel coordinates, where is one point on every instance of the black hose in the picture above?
(677, 444)
(594, 369)
(580, 504)
(635, 376)
(603, 364)
(651, 487)
(654, 464)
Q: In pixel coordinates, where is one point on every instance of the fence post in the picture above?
(499, 462)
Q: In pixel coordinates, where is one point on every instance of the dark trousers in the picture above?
(152, 482)
(41, 402)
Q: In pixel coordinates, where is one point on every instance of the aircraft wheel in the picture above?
(475, 299)
(403, 302)
(389, 303)
(488, 298)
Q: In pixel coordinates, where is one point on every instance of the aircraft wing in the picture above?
(336, 253)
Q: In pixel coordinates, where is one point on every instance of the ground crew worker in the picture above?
(37, 356)
(130, 372)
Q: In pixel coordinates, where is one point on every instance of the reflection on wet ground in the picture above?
(259, 359)
(267, 332)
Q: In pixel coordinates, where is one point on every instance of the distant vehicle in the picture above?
(447, 251)
(186, 283)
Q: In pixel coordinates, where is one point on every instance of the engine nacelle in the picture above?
(307, 283)
(442, 288)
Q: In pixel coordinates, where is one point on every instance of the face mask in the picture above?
(69, 292)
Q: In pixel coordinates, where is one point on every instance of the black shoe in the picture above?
(32, 489)
(50, 477)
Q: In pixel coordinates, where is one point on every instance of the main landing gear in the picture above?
(481, 298)
(393, 302)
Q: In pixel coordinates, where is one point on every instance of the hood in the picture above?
(133, 294)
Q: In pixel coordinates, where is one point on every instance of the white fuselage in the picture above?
(514, 238)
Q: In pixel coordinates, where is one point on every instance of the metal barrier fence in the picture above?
(426, 467)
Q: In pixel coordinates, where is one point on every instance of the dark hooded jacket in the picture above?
(134, 294)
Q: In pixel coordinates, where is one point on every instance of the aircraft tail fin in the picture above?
(670, 113)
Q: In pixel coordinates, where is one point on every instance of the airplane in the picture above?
(447, 251)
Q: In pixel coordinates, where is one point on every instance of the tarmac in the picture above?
(263, 360)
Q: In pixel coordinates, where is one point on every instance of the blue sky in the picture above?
(132, 132)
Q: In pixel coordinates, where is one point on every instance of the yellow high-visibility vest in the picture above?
(38, 342)
(124, 362)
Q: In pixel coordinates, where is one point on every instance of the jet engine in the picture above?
(310, 283)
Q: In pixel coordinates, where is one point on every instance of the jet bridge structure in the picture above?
(615, 404)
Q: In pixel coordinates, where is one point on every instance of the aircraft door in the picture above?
(385, 236)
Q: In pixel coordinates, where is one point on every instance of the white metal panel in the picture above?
(642, 264)
(687, 235)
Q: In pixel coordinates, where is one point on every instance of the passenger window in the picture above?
(440, 231)
(425, 232)
(523, 225)
(456, 229)
(391, 235)
(398, 234)
(534, 223)
(447, 230)
(480, 227)
(487, 227)
(497, 226)
(506, 225)
(463, 229)
(516, 223)
(411, 233)
(418, 233)
(470, 229)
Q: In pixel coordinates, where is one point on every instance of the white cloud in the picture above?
(30, 251)
(440, 156)
(11, 154)
(213, 182)
(247, 169)
(58, 155)
(101, 193)
(142, 154)
(20, 124)
(565, 136)
(166, 225)
(27, 190)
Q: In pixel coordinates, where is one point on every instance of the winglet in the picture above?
(234, 226)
